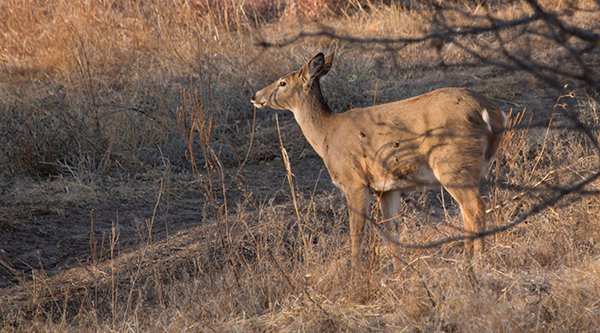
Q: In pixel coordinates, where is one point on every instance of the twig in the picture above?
(290, 179)
(251, 139)
(289, 281)
(518, 196)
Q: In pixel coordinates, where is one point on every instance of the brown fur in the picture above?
(437, 138)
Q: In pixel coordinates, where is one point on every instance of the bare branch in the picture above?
(540, 207)
(456, 31)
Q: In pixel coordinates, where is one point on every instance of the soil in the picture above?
(39, 230)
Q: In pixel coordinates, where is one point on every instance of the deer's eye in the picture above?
(282, 83)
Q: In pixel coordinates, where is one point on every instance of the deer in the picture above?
(446, 137)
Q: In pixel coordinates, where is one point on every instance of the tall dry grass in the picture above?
(100, 89)
(94, 86)
(255, 269)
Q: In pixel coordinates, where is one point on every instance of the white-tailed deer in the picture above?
(448, 136)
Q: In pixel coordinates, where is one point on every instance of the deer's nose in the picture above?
(252, 97)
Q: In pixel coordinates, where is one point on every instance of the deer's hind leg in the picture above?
(473, 213)
(389, 203)
(461, 177)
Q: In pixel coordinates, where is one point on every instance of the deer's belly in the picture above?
(407, 178)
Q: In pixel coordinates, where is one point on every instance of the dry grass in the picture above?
(108, 100)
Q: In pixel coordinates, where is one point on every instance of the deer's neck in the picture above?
(315, 119)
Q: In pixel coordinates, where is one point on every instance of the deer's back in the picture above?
(401, 137)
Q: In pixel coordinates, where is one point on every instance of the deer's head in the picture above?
(293, 89)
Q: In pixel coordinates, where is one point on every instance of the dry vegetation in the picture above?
(140, 191)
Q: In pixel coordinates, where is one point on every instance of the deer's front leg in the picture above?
(357, 211)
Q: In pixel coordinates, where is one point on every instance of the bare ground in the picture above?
(45, 227)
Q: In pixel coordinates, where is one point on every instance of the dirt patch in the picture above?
(43, 229)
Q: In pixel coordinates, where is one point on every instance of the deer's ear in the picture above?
(317, 67)
(328, 63)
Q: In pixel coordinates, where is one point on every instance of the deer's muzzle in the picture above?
(256, 102)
